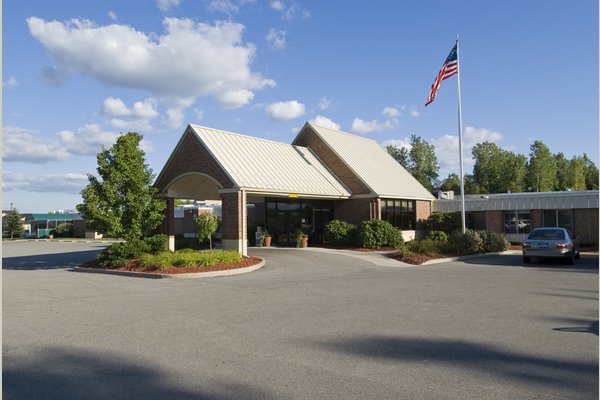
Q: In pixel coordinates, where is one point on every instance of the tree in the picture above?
(562, 171)
(576, 174)
(423, 162)
(591, 173)
(452, 182)
(207, 224)
(400, 154)
(120, 202)
(12, 224)
(497, 170)
(541, 169)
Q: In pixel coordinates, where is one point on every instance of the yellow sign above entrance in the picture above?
(293, 196)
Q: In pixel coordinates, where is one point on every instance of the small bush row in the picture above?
(188, 258)
(372, 234)
(457, 243)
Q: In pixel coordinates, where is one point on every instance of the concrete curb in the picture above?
(461, 258)
(192, 275)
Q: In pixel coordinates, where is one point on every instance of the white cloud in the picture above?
(285, 110)
(413, 111)
(276, 38)
(21, 145)
(224, 6)
(112, 15)
(166, 5)
(324, 103)
(277, 5)
(174, 118)
(398, 143)
(361, 126)
(189, 60)
(199, 113)
(71, 183)
(10, 83)
(87, 140)
(446, 148)
(326, 123)
(391, 112)
(141, 109)
(136, 118)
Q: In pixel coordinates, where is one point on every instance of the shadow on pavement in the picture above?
(65, 374)
(579, 376)
(591, 328)
(49, 261)
(587, 263)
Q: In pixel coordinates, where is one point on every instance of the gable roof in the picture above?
(261, 165)
(372, 164)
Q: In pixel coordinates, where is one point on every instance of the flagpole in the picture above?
(460, 151)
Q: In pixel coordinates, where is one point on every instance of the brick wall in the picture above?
(493, 221)
(310, 139)
(191, 156)
(585, 224)
(355, 210)
(423, 211)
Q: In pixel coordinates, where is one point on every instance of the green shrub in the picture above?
(340, 233)
(377, 233)
(447, 222)
(118, 254)
(493, 241)
(426, 247)
(157, 243)
(64, 230)
(465, 243)
(189, 258)
(437, 236)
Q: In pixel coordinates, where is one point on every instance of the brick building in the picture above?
(516, 214)
(324, 174)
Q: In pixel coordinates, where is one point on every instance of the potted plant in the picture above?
(266, 237)
(301, 239)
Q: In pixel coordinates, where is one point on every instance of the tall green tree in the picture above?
(576, 174)
(497, 170)
(119, 202)
(591, 173)
(562, 171)
(12, 224)
(423, 162)
(400, 154)
(452, 182)
(541, 168)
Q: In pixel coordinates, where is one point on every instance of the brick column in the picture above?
(169, 223)
(234, 221)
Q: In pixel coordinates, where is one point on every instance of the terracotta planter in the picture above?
(304, 241)
(50, 236)
(267, 242)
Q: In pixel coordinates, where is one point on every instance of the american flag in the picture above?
(449, 68)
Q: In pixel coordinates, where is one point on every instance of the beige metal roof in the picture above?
(373, 165)
(521, 201)
(260, 165)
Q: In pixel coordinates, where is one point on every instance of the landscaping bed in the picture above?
(136, 265)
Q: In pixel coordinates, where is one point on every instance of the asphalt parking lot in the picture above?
(308, 325)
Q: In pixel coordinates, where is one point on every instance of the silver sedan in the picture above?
(551, 243)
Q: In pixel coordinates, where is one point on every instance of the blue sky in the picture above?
(77, 73)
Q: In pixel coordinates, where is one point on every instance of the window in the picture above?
(560, 218)
(400, 213)
(517, 221)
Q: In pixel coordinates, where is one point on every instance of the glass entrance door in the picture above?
(286, 216)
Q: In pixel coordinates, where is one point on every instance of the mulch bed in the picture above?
(135, 266)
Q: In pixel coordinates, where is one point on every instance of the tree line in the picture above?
(498, 170)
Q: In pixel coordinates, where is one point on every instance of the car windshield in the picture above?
(547, 234)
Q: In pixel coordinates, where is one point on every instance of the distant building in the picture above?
(516, 214)
(42, 225)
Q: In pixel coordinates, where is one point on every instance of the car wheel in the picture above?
(571, 259)
(577, 255)
(526, 259)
